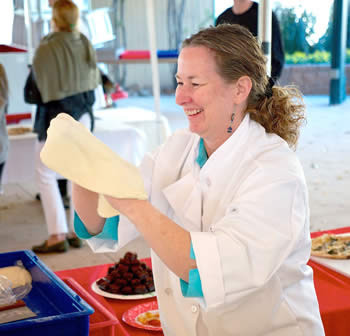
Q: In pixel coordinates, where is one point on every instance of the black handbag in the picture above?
(31, 91)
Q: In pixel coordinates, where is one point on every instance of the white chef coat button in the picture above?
(194, 309)
(211, 228)
(168, 291)
(208, 182)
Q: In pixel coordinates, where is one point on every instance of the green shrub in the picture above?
(347, 59)
(318, 57)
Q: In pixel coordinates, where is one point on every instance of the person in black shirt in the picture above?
(245, 13)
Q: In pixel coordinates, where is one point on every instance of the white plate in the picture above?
(341, 266)
(99, 291)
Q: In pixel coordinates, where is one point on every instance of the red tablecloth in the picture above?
(332, 289)
(333, 293)
(85, 276)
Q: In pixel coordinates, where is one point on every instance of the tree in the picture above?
(175, 15)
(325, 42)
(118, 21)
(296, 30)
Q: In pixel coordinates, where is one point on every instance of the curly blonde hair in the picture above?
(238, 53)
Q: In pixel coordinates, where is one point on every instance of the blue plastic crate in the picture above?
(59, 310)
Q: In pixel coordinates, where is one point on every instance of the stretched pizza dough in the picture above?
(75, 153)
(17, 275)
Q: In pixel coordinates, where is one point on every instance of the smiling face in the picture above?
(205, 97)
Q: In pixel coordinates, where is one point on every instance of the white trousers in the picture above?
(51, 200)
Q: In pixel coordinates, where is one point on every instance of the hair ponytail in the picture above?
(283, 113)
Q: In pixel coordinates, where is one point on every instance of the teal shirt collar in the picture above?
(202, 154)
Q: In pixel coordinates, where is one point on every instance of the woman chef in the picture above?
(227, 216)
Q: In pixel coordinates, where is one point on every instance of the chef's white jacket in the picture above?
(248, 215)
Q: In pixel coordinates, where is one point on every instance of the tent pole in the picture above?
(154, 61)
(338, 77)
(28, 25)
(265, 30)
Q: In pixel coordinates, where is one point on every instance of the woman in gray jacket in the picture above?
(4, 143)
(63, 79)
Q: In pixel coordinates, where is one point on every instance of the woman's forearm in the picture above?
(85, 204)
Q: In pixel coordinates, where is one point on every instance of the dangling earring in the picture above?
(229, 129)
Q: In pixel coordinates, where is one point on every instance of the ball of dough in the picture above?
(17, 275)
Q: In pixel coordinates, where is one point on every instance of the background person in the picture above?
(108, 87)
(64, 77)
(4, 142)
(107, 84)
(227, 215)
(245, 13)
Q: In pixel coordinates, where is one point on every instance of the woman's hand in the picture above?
(123, 205)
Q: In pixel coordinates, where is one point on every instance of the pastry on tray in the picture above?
(331, 246)
(18, 130)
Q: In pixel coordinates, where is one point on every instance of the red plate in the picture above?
(130, 316)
